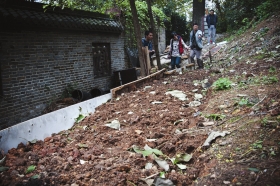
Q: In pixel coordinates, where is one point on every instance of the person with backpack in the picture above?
(196, 45)
(176, 50)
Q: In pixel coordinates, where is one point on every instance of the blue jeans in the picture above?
(175, 61)
(211, 33)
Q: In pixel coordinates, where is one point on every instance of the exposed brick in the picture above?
(32, 61)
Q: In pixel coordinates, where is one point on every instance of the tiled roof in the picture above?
(32, 15)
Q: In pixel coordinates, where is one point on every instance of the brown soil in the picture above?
(249, 155)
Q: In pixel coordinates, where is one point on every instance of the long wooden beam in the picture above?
(132, 85)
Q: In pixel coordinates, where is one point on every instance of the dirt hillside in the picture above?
(150, 136)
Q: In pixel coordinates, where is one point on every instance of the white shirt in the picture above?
(175, 52)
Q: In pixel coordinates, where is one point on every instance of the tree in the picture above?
(154, 32)
(137, 35)
(198, 12)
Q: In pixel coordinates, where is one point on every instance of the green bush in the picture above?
(222, 84)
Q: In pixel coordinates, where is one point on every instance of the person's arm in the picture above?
(150, 47)
(143, 42)
(207, 21)
(184, 44)
(199, 34)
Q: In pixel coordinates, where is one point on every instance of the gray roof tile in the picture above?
(32, 15)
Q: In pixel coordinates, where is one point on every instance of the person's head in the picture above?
(148, 35)
(174, 35)
(195, 26)
(211, 11)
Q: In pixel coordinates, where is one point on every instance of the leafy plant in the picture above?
(30, 169)
(147, 152)
(67, 92)
(222, 84)
(215, 117)
(272, 70)
(269, 80)
(79, 118)
(264, 121)
(36, 176)
(257, 144)
(245, 101)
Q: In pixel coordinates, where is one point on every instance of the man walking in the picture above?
(196, 45)
(211, 20)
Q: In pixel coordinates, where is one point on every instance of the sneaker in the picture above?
(214, 43)
(208, 44)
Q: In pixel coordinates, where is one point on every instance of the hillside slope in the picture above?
(247, 113)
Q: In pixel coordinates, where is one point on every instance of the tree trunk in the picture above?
(199, 13)
(154, 33)
(137, 31)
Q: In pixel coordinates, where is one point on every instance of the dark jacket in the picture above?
(215, 20)
(147, 43)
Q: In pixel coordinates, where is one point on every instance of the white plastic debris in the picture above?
(222, 43)
(179, 94)
(82, 162)
(198, 96)
(213, 135)
(153, 92)
(156, 102)
(194, 103)
(148, 166)
(130, 112)
(147, 87)
(115, 124)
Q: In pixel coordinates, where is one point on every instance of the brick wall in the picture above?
(36, 66)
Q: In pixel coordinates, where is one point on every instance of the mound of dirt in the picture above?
(143, 135)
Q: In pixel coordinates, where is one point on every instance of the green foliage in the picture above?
(260, 56)
(222, 84)
(80, 118)
(264, 121)
(267, 8)
(67, 92)
(272, 70)
(30, 169)
(215, 117)
(147, 152)
(36, 176)
(240, 15)
(269, 79)
(257, 144)
(244, 101)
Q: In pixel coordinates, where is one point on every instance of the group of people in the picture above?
(177, 44)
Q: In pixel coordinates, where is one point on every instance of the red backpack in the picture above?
(181, 48)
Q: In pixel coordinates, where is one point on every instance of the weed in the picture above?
(215, 117)
(269, 80)
(68, 91)
(264, 121)
(222, 84)
(260, 56)
(272, 70)
(244, 101)
(257, 144)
